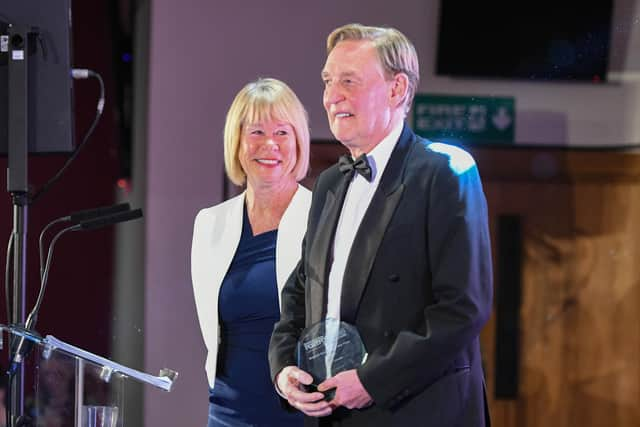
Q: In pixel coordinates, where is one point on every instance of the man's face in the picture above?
(357, 96)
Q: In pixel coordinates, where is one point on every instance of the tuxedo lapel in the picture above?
(372, 228)
(320, 251)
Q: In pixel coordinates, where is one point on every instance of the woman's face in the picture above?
(267, 152)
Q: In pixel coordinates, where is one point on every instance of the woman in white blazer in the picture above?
(244, 250)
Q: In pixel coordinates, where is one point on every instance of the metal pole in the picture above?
(79, 390)
(18, 311)
(18, 187)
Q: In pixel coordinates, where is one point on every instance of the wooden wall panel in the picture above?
(580, 312)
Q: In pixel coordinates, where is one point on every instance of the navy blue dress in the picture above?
(248, 307)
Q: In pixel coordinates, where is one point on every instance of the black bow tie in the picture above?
(360, 165)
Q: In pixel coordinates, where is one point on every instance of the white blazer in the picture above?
(216, 234)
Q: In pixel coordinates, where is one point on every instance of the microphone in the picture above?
(93, 219)
(88, 214)
(103, 221)
(83, 215)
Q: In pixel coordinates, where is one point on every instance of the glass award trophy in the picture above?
(327, 348)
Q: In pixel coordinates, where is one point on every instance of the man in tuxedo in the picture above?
(397, 245)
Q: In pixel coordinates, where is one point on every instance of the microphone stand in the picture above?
(88, 220)
(17, 185)
(21, 40)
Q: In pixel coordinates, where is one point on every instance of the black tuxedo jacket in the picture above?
(418, 287)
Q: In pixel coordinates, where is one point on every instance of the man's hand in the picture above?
(289, 383)
(350, 392)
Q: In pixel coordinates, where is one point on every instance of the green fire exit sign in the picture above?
(467, 119)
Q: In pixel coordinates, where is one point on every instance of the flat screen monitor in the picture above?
(50, 101)
(537, 41)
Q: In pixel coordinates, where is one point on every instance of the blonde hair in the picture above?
(396, 53)
(265, 100)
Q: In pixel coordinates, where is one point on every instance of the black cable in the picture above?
(117, 213)
(7, 278)
(81, 74)
(33, 315)
(59, 220)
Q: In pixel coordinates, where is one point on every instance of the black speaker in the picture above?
(507, 349)
(49, 83)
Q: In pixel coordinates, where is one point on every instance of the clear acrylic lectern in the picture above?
(73, 387)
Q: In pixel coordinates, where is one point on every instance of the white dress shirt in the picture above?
(355, 205)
